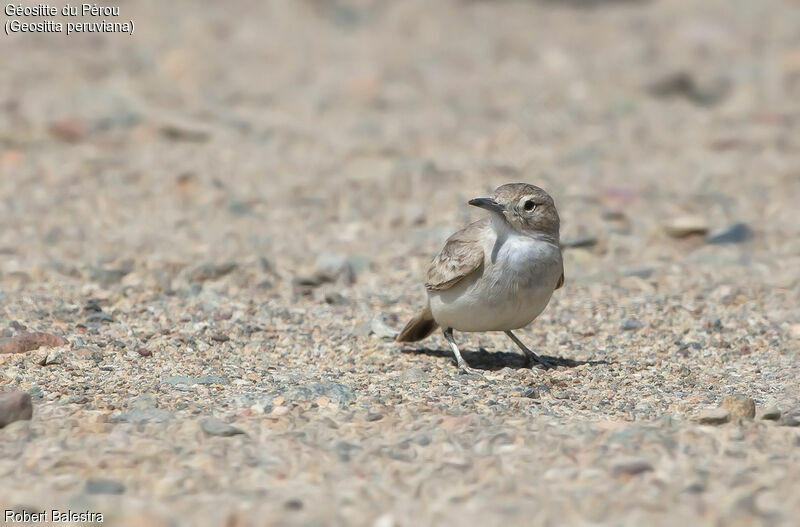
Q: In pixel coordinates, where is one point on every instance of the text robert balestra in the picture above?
(52, 516)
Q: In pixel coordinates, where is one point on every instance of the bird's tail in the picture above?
(418, 327)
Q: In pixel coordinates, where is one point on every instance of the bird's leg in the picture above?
(531, 356)
(463, 367)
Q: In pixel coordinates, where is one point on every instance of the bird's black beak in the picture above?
(488, 204)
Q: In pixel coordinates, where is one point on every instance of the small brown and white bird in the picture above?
(496, 274)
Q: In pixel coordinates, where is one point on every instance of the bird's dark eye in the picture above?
(529, 205)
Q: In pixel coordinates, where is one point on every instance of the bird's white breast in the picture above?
(512, 288)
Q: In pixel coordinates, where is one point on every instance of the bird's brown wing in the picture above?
(461, 255)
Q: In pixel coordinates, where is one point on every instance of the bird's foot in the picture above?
(534, 359)
(464, 369)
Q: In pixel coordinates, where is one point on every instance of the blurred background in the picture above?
(215, 129)
(251, 192)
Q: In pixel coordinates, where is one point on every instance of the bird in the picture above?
(496, 274)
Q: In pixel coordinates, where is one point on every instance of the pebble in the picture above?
(631, 324)
(770, 413)
(334, 267)
(630, 467)
(144, 415)
(109, 277)
(713, 416)
(143, 401)
(15, 406)
(687, 225)
(531, 393)
(739, 407)
(182, 130)
(699, 90)
(104, 486)
(339, 393)
(380, 329)
(220, 337)
(306, 281)
(734, 233)
(210, 271)
(101, 316)
(335, 299)
(29, 341)
(176, 380)
(51, 358)
(791, 418)
(214, 427)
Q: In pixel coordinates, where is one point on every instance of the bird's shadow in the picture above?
(497, 360)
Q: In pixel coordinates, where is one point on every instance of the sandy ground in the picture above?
(227, 214)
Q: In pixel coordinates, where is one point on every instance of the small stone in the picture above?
(687, 225)
(183, 130)
(334, 391)
(293, 505)
(179, 379)
(214, 427)
(102, 316)
(581, 240)
(739, 407)
(144, 352)
(794, 331)
(631, 467)
(734, 233)
(51, 358)
(143, 401)
(614, 215)
(374, 416)
(791, 418)
(104, 486)
(335, 299)
(770, 413)
(306, 281)
(631, 324)
(639, 272)
(29, 341)
(109, 277)
(211, 271)
(220, 337)
(381, 329)
(334, 267)
(144, 415)
(713, 416)
(69, 130)
(211, 379)
(15, 406)
(531, 393)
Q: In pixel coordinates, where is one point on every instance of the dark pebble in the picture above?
(102, 316)
(735, 233)
(335, 299)
(531, 393)
(214, 427)
(15, 406)
(144, 415)
(632, 467)
(104, 486)
(631, 324)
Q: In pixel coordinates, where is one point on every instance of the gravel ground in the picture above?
(218, 223)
